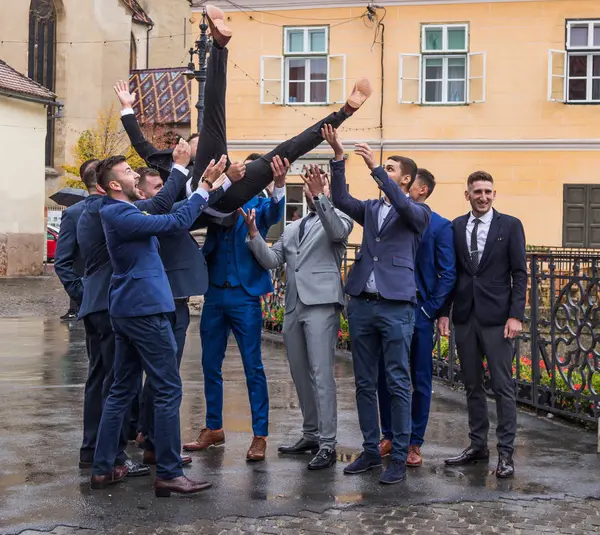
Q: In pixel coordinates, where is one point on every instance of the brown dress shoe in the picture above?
(257, 449)
(101, 482)
(361, 92)
(219, 31)
(150, 458)
(206, 439)
(180, 485)
(385, 447)
(414, 456)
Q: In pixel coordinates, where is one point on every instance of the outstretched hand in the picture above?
(182, 153)
(236, 171)
(213, 173)
(250, 219)
(332, 137)
(280, 170)
(366, 153)
(314, 180)
(126, 98)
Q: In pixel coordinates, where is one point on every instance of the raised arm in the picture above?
(163, 201)
(65, 256)
(337, 228)
(135, 225)
(142, 146)
(267, 257)
(445, 266)
(417, 215)
(340, 196)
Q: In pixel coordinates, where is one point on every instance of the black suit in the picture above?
(483, 300)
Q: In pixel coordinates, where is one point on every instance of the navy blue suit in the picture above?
(94, 308)
(232, 303)
(140, 307)
(435, 275)
(68, 263)
(381, 324)
(188, 276)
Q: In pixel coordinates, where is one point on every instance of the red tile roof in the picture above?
(163, 95)
(16, 83)
(139, 15)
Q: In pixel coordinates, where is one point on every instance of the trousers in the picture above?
(473, 342)
(310, 336)
(382, 330)
(146, 344)
(421, 375)
(226, 310)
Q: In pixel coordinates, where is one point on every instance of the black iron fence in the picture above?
(557, 358)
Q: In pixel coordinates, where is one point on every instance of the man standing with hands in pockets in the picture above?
(312, 248)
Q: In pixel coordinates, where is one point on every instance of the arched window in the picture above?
(133, 54)
(42, 56)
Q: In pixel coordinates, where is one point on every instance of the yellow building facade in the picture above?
(510, 87)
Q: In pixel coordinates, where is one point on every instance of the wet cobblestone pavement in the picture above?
(43, 363)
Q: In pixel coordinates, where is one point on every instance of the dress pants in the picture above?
(182, 322)
(310, 336)
(144, 343)
(421, 375)
(382, 329)
(473, 342)
(226, 310)
(100, 341)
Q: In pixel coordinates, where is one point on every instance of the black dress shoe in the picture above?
(325, 458)
(136, 469)
(468, 456)
(506, 466)
(301, 446)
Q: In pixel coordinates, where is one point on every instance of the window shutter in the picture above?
(410, 74)
(336, 86)
(271, 80)
(476, 87)
(575, 197)
(557, 75)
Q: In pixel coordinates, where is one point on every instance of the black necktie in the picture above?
(473, 248)
(303, 224)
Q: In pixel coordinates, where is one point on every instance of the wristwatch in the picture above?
(204, 179)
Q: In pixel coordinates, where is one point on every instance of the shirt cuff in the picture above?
(227, 184)
(181, 169)
(127, 111)
(188, 188)
(278, 194)
(202, 192)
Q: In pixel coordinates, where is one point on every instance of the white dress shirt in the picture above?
(384, 210)
(482, 231)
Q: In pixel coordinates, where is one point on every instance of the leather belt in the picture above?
(369, 296)
(226, 284)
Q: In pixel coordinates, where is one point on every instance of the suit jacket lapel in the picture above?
(495, 225)
(390, 215)
(461, 233)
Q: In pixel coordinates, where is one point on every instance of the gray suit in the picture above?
(314, 297)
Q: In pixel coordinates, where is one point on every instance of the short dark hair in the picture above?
(253, 157)
(105, 168)
(407, 166)
(427, 178)
(85, 165)
(90, 175)
(144, 173)
(192, 137)
(479, 175)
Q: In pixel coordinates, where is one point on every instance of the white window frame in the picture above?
(551, 75)
(307, 80)
(419, 80)
(589, 77)
(267, 99)
(444, 28)
(302, 205)
(591, 23)
(444, 80)
(306, 30)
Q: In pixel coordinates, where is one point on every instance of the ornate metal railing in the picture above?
(557, 358)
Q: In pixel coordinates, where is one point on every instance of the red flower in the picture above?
(526, 361)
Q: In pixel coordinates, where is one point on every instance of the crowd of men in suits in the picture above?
(141, 266)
